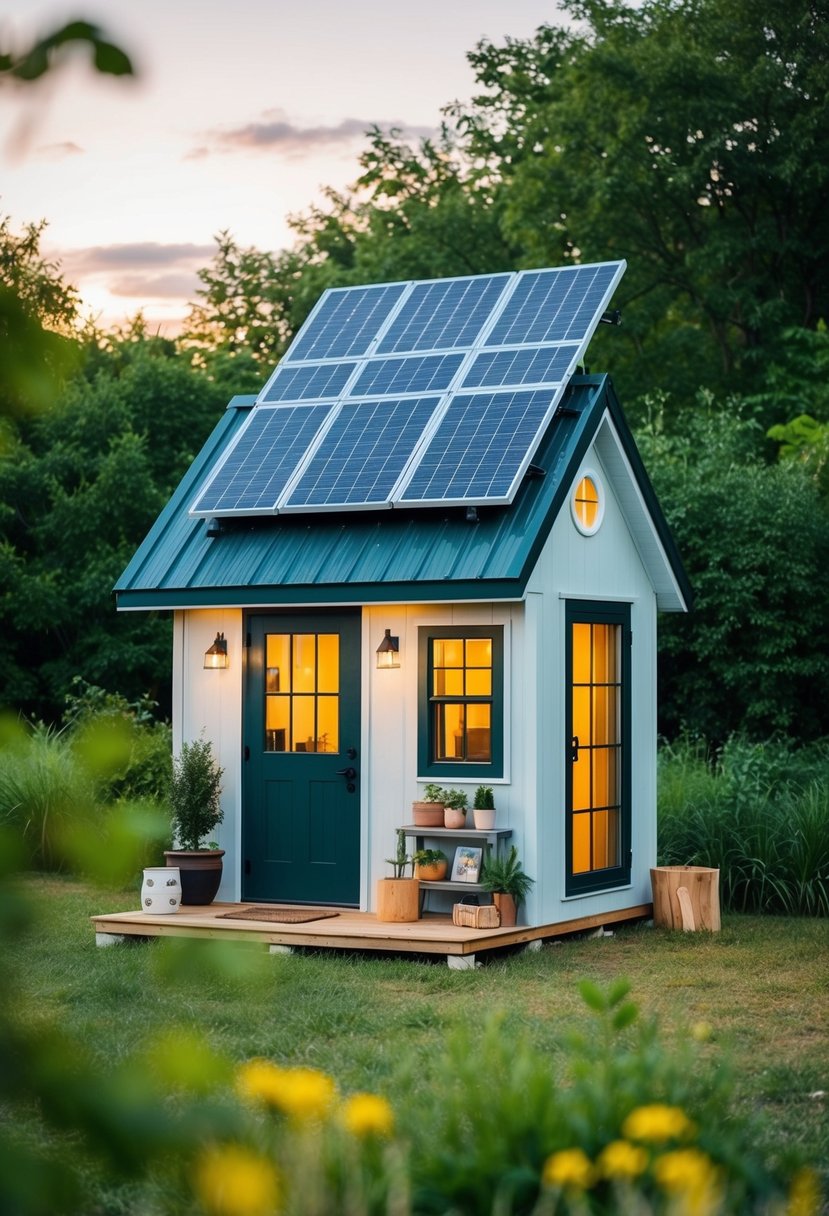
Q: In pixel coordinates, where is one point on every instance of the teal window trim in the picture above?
(603, 613)
(427, 765)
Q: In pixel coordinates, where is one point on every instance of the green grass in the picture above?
(762, 984)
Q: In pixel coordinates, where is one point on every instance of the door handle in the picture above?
(349, 773)
(574, 748)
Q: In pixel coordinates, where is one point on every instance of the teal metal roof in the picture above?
(374, 557)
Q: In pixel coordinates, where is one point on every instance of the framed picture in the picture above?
(467, 864)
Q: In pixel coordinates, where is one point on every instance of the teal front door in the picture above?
(301, 813)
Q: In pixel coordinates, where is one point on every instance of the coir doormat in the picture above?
(282, 916)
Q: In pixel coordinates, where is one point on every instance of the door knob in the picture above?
(349, 773)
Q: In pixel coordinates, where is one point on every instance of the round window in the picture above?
(587, 503)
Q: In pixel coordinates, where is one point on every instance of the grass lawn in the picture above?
(762, 984)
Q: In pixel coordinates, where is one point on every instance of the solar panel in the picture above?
(443, 314)
(555, 305)
(413, 394)
(307, 381)
(415, 374)
(362, 454)
(262, 462)
(345, 322)
(524, 365)
(480, 449)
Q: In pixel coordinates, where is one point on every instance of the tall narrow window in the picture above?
(302, 684)
(461, 695)
(598, 828)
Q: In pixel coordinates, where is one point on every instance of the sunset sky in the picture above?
(241, 112)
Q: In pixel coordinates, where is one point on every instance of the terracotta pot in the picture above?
(453, 818)
(398, 899)
(201, 873)
(506, 907)
(484, 818)
(427, 814)
(434, 872)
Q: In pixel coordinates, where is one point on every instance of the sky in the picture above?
(242, 111)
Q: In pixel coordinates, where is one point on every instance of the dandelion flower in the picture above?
(231, 1180)
(570, 1169)
(689, 1175)
(804, 1195)
(622, 1160)
(367, 1115)
(300, 1093)
(657, 1123)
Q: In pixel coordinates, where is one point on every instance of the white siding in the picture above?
(210, 702)
(605, 566)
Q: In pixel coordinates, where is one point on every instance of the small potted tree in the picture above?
(430, 865)
(455, 803)
(508, 883)
(398, 897)
(428, 812)
(483, 808)
(195, 810)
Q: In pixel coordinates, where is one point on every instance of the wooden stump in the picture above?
(686, 897)
(398, 899)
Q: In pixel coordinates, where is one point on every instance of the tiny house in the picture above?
(427, 551)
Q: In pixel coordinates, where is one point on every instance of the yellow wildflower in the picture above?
(804, 1195)
(367, 1115)
(234, 1181)
(622, 1160)
(702, 1031)
(301, 1093)
(656, 1123)
(570, 1168)
(690, 1176)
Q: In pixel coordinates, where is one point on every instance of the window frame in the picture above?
(592, 612)
(598, 485)
(427, 766)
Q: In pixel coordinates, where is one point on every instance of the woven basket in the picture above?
(474, 916)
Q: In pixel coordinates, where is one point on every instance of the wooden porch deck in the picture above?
(349, 930)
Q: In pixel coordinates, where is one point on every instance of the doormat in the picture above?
(282, 916)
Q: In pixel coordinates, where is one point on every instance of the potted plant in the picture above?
(455, 803)
(430, 865)
(195, 810)
(428, 813)
(508, 883)
(483, 808)
(398, 897)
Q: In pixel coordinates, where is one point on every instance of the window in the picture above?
(461, 720)
(302, 703)
(587, 503)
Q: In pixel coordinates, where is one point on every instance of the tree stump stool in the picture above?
(686, 897)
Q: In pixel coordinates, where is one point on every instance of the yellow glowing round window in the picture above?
(587, 503)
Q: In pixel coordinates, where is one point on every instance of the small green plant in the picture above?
(401, 858)
(428, 857)
(484, 798)
(504, 875)
(433, 793)
(455, 799)
(195, 787)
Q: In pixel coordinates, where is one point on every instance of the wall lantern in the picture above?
(216, 655)
(388, 652)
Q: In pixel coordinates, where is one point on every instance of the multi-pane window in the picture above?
(587, 505)
(461, 693)
(302, 686)
(598, 784)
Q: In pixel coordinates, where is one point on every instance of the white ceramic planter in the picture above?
(484, 818)
(161, 890)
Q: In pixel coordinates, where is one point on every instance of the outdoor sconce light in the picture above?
(216, 655)
(388, 652)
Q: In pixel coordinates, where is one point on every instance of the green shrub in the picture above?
(758, 812)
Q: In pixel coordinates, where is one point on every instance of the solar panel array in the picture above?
(413, 394)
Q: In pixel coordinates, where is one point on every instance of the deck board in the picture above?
(350, 930)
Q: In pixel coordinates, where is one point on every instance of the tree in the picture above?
(754, 538)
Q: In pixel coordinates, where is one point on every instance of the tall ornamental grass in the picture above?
(67, 790)
(758, 812)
